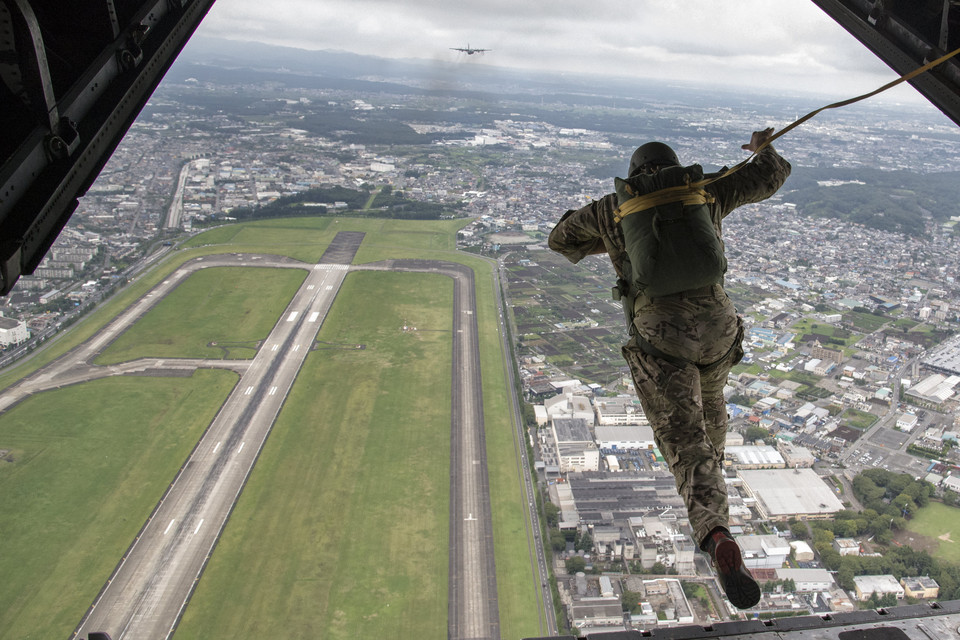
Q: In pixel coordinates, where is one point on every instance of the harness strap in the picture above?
(685, 194)
(676, 361)
(651, 350)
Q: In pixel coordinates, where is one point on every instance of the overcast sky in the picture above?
(781, 45)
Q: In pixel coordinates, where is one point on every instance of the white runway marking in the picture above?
(216, 447)
(296, 347)
(241, 447)
(314, 316)
(248, 391)
(199, 524)
(329, 288)
(293, 316)
(310, 287)
(273, 390)
(275, 347)
(167, 530)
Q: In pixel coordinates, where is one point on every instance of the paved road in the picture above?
(152, 583)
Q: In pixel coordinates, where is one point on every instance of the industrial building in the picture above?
(626, 437)
(781, 494)
(620, 410)
(881, 585)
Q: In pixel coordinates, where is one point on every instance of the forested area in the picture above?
(889, 500)
(314, 202)
(897, 201)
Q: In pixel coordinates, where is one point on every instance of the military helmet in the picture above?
(652, 153)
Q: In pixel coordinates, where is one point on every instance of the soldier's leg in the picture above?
(712, 380)
(672, 401)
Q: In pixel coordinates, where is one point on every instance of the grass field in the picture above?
(301, 474)
(212, 314)
(940, 523)
(346, 514)
(90, 462)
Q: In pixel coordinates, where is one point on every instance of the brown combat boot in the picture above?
(741, 589)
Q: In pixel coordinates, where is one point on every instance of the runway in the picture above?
(473, 610)
(152, 583)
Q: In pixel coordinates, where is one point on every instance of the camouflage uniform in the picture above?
(696, 334)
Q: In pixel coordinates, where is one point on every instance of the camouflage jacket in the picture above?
(591, 229)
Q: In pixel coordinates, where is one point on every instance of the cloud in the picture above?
(784, 45)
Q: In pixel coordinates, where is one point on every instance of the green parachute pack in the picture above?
(671, 241)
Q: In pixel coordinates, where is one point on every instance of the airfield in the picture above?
(307, 496)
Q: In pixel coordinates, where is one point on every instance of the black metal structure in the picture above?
(907, 34)
(932, 621)
(74, 75)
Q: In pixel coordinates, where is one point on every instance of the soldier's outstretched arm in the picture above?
(577, 234)
(755, 182)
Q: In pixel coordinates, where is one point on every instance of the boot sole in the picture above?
(742, 590)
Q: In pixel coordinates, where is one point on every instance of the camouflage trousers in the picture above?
(682, 396)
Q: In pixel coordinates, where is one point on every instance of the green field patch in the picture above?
(220, 312)
(865, 322)
(342, 530)
(857, 419)
(939, 522)
(307, 238)
(90, 462)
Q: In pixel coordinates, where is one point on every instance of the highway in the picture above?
(153, 581)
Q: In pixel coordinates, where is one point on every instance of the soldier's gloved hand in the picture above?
(757, 139)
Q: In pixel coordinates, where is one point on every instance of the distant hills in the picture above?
(304, 68)
(898, 201)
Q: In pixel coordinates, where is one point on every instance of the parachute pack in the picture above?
(671, 241)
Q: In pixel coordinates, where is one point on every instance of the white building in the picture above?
(907, 421)
(808, 580)
(750, 457)
(764, 552)
(568, 405)
(575, 448)
(796, 456)
(632, 437)
(802, 552)
(620, 410)
(881, 585)
(846, 546)
(12, 332)
(780, 494)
